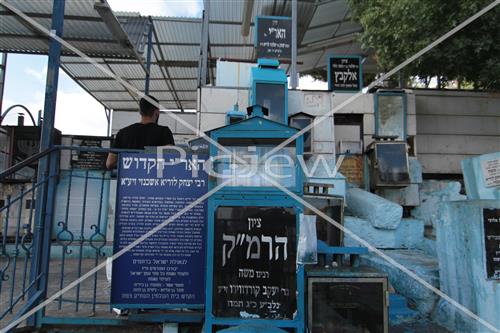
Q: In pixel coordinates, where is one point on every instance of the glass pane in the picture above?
(392, 163)
(391, 116)
(301, 123)
(280, 166)
(272, 96)
(347, 307)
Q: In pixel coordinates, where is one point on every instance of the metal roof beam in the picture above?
(100, 78)
(37, 34)
(116, 29)
(68, 39)
(49, 16)
(191, 20)
(125, 91)
(131, 93)
(213, 44)
(325, 44)
(324, 25)
(164, 71)
(161, 100)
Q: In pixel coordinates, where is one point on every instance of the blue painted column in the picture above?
(47, 167)
(148, 59)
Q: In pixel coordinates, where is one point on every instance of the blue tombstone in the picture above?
(252, 275)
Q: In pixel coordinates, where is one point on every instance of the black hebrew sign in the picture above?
(344, 73)
(491, 220)
(254, 262)
(274, 37)
(89, 160)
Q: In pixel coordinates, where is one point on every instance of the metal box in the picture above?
(333, 207)
(347, 302)
(388, 163)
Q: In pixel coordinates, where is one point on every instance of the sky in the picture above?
(76, 111)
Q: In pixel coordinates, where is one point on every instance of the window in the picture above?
(301, 121)
(272, 97)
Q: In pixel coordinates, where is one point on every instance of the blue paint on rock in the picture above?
(462, 267)
(381, 213)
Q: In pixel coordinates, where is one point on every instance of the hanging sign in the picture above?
(274, 37)
(344, 73)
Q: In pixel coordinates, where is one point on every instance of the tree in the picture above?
(397, 29)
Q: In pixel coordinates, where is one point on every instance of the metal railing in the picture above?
(53, 231)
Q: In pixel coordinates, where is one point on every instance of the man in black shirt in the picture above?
(145, 133)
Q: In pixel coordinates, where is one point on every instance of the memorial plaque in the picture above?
(274, 37)
(347, 305)
(89, 160)
(168, 268)
(491, 220)
(491, 172)
(344, 73)
(254, 262)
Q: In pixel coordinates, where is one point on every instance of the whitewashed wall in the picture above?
(317, 104)
(449, 125)
(216, 102)
(364, 104)
(454, 125)
(182, 133)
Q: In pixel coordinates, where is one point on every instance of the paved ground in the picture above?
(97, 288)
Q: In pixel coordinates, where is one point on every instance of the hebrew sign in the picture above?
(491, 220)
(274, 37)
(254, 262)
(168, 268)
(344, 73)
(89, 160)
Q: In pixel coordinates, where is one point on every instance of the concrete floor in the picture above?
(65, 306)
(102, 294)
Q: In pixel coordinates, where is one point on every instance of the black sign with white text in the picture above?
(274, 37)
(254, 263)
(89, 160)
(491, 220)
(344, 73)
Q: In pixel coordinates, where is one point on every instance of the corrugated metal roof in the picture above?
(176, 47)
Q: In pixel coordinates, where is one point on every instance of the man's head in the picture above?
(148, 109)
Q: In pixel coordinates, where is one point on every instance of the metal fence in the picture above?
(53, 231)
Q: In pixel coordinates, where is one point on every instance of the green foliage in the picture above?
(397, 29)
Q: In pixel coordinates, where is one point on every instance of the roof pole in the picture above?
(293, 79)
(148, 59)
(46, 168)
(3, 69)
(204, 51)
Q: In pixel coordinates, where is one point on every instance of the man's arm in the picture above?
(170, 137)
(113, 157)
(111, 161)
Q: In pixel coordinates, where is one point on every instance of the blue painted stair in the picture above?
(399, 311)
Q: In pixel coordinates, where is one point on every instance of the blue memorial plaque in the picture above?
(167, 269)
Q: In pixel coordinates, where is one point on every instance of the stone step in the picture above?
(399, 312)
(420, 263)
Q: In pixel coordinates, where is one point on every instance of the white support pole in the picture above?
(293, 72)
